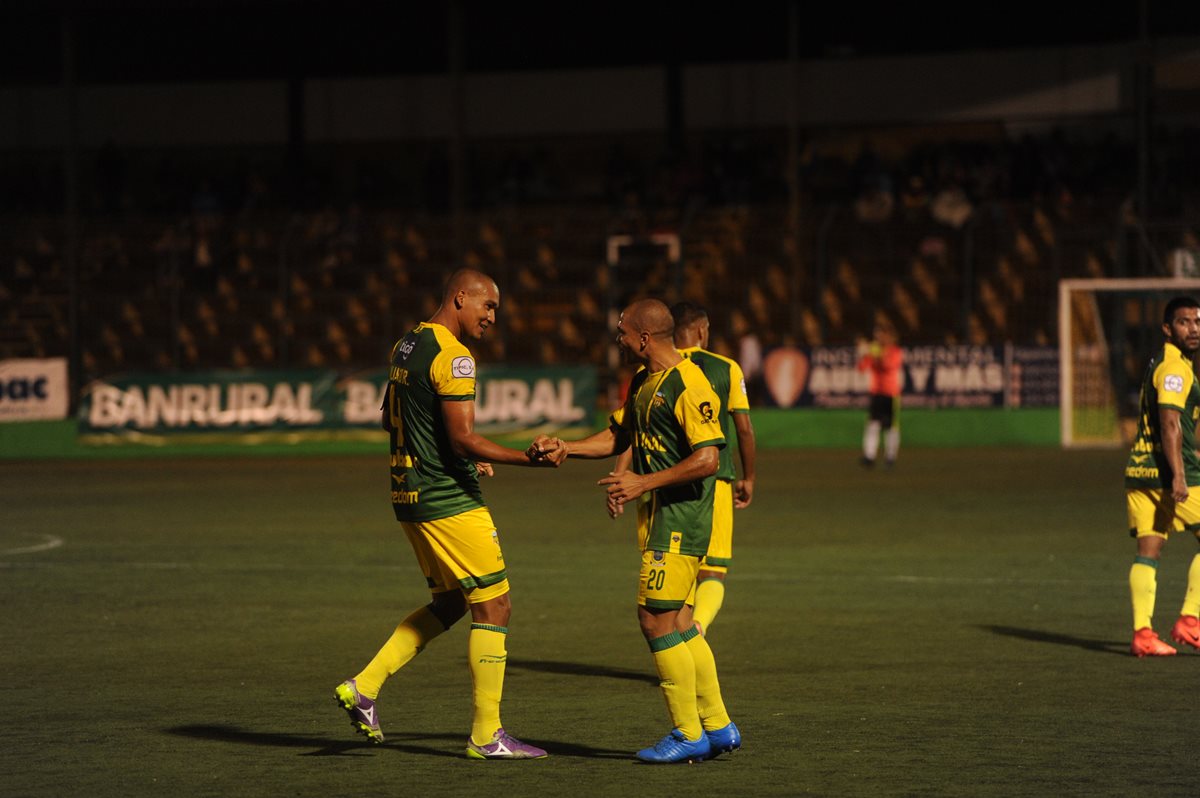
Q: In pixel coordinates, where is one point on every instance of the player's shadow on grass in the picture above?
(320, 746)
(1057, 638)
(580, 669)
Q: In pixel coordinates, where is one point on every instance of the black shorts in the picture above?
(882, 409)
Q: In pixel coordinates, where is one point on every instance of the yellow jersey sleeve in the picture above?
(697, 411)
(453, 373)
(1173, 380)
(739, 401)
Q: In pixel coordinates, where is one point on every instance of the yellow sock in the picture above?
(1191, 600)
(709, 705)
(487, 657)
(1143, 585)
(710, 594)
(412, 635)
(677, 680)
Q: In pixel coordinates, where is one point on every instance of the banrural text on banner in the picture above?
(508, 399)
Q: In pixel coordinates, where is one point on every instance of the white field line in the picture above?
(48, 542)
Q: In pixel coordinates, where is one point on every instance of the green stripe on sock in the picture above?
(501, 629)
(1146, 561)
(666, 641)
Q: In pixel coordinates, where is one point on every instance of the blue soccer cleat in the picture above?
(677, 748)
(725, 739)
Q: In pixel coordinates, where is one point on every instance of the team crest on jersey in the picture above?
(463, 367)
(676, 537)
(706, 410)
(658, 401)
(1173, 383)
(658, 557)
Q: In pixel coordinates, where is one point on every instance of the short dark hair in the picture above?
(686, 314)
(1178, 303)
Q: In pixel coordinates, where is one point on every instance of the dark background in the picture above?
(174, 40)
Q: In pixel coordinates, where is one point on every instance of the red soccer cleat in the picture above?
(1146, 644)
(1187, 630)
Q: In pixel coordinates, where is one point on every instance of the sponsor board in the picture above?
(933, 377)
(34, 389)
(507, 399)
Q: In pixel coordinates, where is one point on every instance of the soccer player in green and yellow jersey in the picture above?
(670, 419)
(436, 457)
(1160, 475)
(725, 376)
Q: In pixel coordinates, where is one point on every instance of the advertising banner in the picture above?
(34, 389)
(508, 399)
(933, 377)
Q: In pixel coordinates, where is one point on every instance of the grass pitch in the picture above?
(957, 627)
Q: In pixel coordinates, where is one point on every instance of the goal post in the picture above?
(1107, 331)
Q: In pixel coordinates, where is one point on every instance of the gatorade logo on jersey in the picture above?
(463, 367)
(1173, 383)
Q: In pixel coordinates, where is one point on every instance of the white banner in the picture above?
(33, 390)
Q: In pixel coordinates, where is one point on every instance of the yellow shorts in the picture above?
(461, 552)
(720, 546)
(1152, 514)
(668, 581)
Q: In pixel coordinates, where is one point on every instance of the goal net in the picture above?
(1108, 329)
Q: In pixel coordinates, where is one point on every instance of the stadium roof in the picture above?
(184, 40)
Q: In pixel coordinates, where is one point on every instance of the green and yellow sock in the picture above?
(487, 657)
(677, 680)
(710, 595)
(709, 704)
(1143, 586)
(410, 637)
(1191, 600)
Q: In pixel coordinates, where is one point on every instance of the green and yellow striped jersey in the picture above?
(725, 377)
(668, 415)
(1169, 382)
(429, 481)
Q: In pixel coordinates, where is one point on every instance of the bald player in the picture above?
(436, 457)
(670, 418)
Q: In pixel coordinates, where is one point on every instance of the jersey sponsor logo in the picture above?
(406, 496)
(706, 410)
(406, 347)
(1173, 383)
(1141, 472)
(463, 367)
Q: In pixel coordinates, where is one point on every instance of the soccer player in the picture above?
(670, 417)
(884, 359)
(1160, 474)
(436, 457)
(725, 376)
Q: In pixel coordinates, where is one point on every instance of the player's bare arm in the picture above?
(743, 489)
(466, 442)
(1172, 438)
(628, 486)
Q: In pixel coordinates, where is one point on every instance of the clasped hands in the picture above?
(622, 487)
